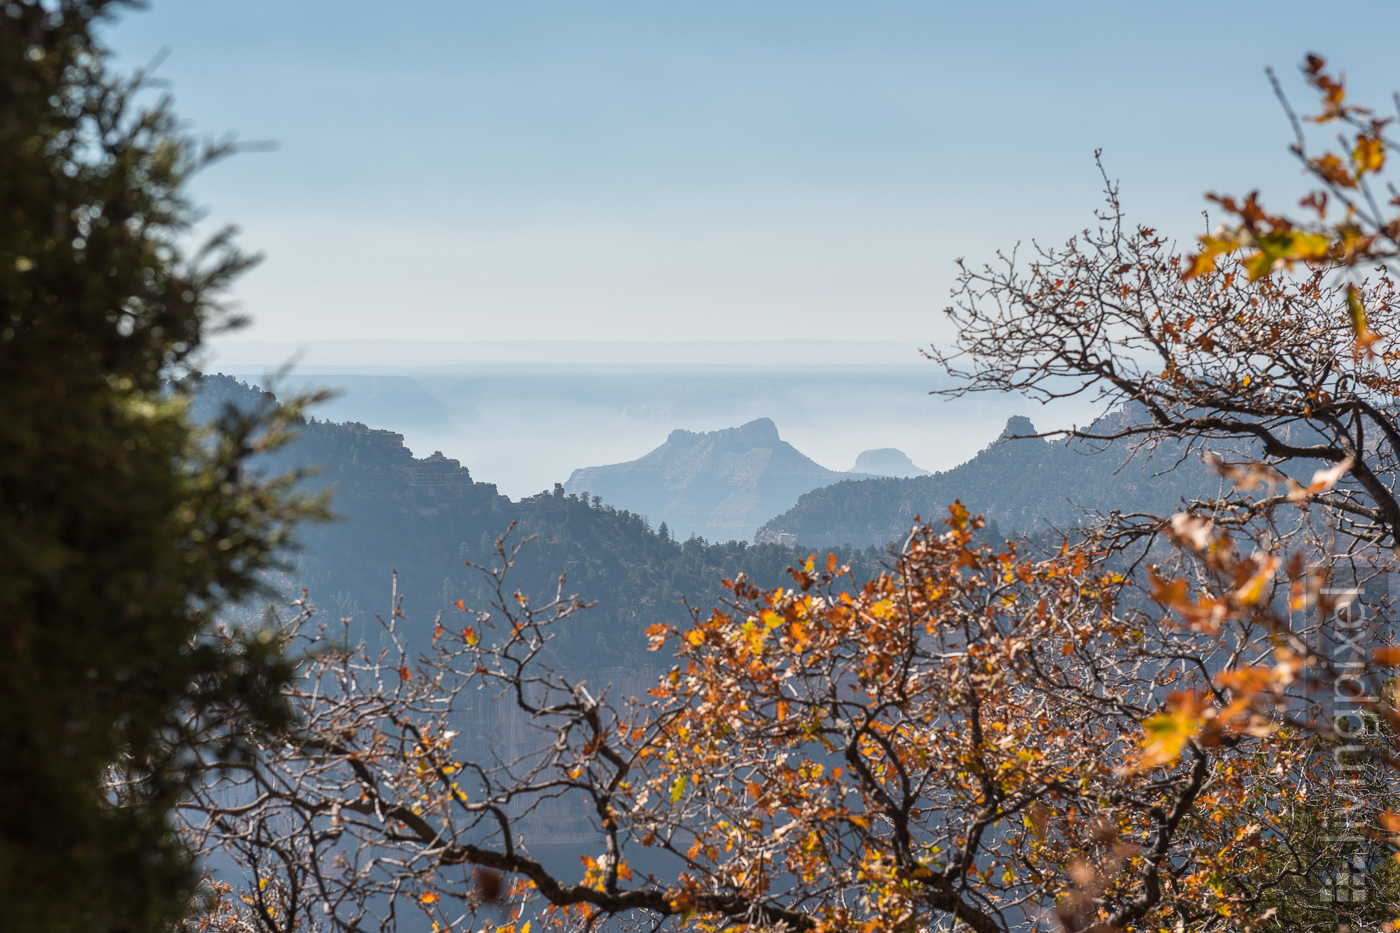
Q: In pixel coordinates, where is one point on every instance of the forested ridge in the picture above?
(1021, 483)
(426, 518)
(429, 520)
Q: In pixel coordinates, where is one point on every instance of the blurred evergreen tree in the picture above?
(122, 529)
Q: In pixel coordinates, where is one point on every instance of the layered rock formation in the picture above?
(720, 485)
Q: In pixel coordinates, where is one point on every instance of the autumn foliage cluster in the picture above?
(980, 736)
(1142, 725)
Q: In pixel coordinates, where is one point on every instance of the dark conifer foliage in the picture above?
(122, 529)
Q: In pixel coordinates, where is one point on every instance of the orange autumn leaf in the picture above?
(1322, 481)
(1254, 588)
(1246, 681)
(1170, 593)
(1332, 169)
(1389, 656)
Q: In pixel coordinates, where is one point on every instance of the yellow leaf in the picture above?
(1369, 154)
(1356, 310)
(1253, 589)
(1306, 247)
(678, 788)
(1166, 734)
(1259, 265)
(1360, 328)
(1211, 247)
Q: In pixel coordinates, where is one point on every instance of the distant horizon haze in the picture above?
(343, 355)
(661, 171)
(526, 426)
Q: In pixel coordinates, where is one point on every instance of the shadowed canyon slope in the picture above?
(1021, 484)
(426, 516)
(720, 485)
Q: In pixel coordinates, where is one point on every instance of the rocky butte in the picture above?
(720, 485)
(887, 461)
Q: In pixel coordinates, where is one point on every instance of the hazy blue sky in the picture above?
(715, 170)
